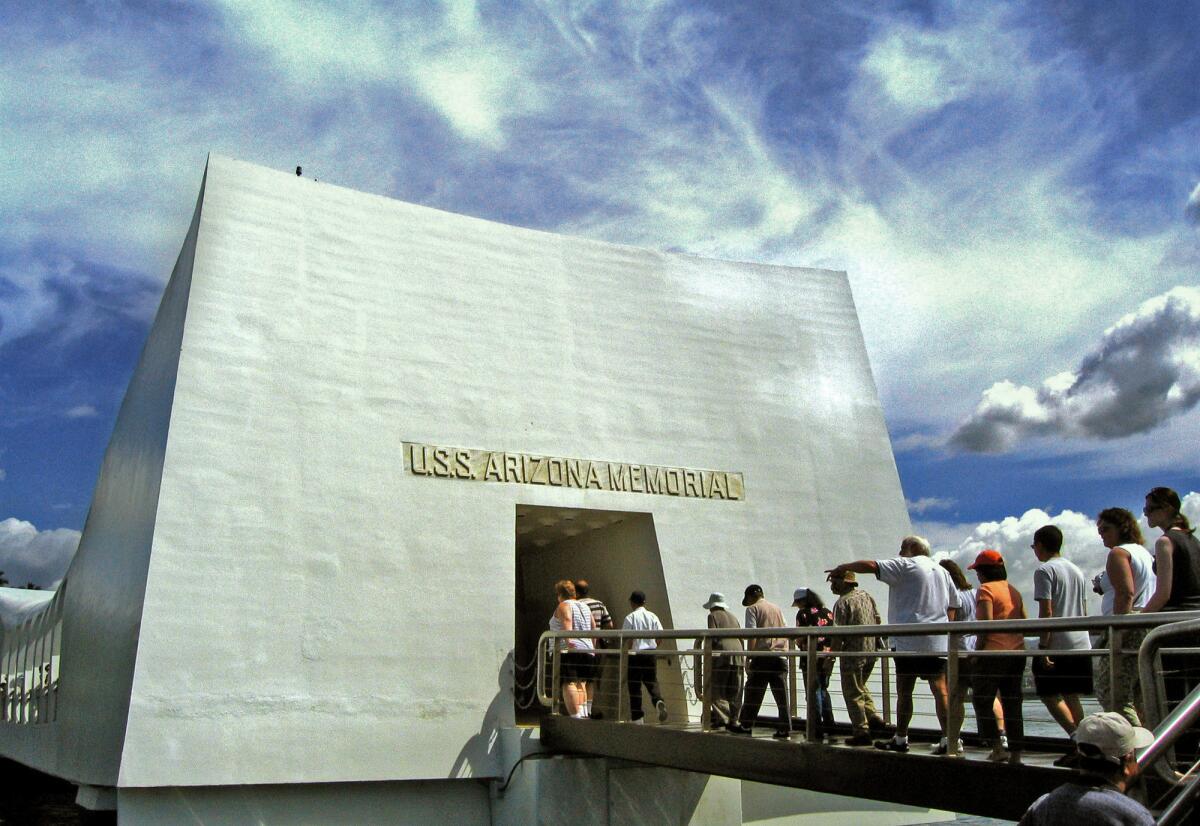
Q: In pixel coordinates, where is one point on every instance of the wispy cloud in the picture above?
(975, 168)
(474, 79)
(929, 503)
(81, 411)
(1191, 209)
(1145, 371)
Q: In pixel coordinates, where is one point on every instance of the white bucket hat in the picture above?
(716, 600)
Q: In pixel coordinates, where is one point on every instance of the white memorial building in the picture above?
(362, 442)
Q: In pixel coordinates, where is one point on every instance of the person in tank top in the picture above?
(1176, 554)
(1177, 565)
(1125, 586)
(576, 659)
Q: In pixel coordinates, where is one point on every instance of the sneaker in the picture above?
(1069, 760)
(891, 745)
(782, 734)
(999, 754)
(861, 739)
(943, 746)
(1003, 740)
(662, 711)
(738, 728)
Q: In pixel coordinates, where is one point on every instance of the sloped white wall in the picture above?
(315, 613)
(103, 588)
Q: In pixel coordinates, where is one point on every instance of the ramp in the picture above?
(954, 784)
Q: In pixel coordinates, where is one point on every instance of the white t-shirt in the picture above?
(1144, 580)
(921, 591)
(642, 620)
(1060, 581)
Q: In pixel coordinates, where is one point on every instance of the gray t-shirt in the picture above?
(1060, 581)
(1084, 803)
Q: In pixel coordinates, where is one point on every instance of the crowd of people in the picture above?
(927, 592)
(1133, 580)
(922, 591)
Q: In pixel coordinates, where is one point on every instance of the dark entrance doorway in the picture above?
(616, 551)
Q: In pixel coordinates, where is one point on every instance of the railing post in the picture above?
(555, 681)
(706, 675)
(622, 680)
(1114, 653)
(811, 682)
(885, 674)
(793, 702)
(954, 702)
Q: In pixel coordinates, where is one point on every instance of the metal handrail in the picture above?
(797, 646)
(1168, 728)
(1183, 803)
(1178, 624)
(1090, 623)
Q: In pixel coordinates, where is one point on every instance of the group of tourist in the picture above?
(922, 591)
(578, 611)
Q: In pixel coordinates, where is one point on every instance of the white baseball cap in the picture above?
(1112, 735)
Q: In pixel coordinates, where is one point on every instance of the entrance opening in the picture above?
(617, 553)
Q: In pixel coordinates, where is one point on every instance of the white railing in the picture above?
(685, 678)
(29, 667)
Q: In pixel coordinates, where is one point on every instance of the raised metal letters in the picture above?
(559, 472)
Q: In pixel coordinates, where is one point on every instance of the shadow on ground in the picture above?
(30, 798)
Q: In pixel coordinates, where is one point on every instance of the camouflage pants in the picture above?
(1128, 687)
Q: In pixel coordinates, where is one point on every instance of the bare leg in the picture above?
(998, 710)
(1060, 711)
(1075, 707)
(571, 697)
(938, 687)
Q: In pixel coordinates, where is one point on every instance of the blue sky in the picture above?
(1014, 190)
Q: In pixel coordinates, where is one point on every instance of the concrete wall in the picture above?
(313, 611)
(363, 804)
(597, 792)
(103, 588)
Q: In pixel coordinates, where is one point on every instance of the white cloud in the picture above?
(1191, 209)
(81, 411)
(1013, 535)
(30, 555)
(3, 474)
(472, 78)
(1145, 371)
(929, 503)
(915, 70)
